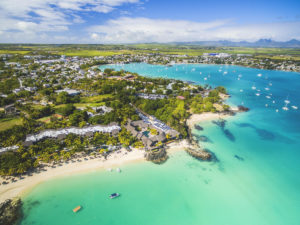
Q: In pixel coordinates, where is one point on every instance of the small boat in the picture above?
(287, 101)
(294, 107)
(109, 169)
(268, 96)
(257, 94)
(114, 195)
(285, 108)
(277, 110)
(253, 87)
(259, 75)
(118, 170)
(225, 72)
(77, 209)
(267, 89)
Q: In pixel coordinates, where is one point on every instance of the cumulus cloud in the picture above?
(36, 16)
(135, 30)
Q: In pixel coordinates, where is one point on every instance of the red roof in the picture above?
(180, 97)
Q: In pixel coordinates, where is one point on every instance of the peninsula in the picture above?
(65, 116)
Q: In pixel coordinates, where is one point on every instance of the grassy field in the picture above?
(94, 53)
(94, 99)
(280, 57)
(7, 123)
(22, 52)
(109, 50)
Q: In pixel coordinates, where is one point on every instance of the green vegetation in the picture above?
(175, 49)
(42, 105)
(7, 123)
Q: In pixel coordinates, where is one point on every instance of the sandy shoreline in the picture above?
(197, 118)
(114, 160)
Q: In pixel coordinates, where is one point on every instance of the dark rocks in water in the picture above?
(157, 155)
(199, 153)
(197, 127)
(230, 113)
(202, 138)
(244, 125)
(264, 134)
(243, 108)
(229, 135)
(239, 157)
(221, 123)
(10, 211)
(213, 155)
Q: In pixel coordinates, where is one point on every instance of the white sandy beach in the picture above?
(197, 118)
(114, 160)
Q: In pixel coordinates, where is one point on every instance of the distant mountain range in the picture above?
(260, 43)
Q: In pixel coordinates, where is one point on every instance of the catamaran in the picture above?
(285, 108)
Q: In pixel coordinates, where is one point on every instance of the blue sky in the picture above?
(140, 21)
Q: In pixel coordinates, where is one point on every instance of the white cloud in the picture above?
(36, 16)
(94, 36)
(134, 30)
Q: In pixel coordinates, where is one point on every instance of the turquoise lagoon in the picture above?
(256, 179)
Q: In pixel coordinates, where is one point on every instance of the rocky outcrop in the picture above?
(198, 127)
(243, 108)
(10, 211)
(157, 156)
(199, 153)
(195, 150)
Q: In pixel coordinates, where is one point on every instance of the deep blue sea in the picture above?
(256, 180)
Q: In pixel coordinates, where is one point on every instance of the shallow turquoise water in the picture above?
(255, 181)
